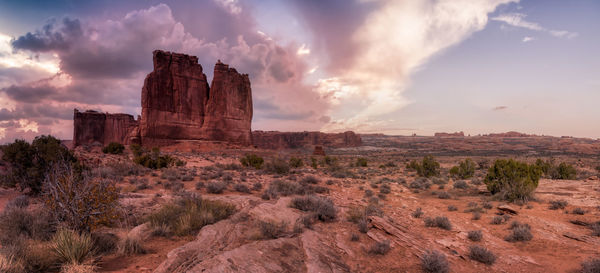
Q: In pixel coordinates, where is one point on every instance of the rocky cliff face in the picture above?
(173, 98)
(293, 140)
(103, 128)
(229, 108)
(178, 104)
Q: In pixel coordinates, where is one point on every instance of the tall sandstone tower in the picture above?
(178, 104)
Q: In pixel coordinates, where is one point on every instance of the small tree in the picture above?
(513, 179)
(427, 168)
(563, 171)
(78, 200)
(361, 162)
(464, 170)
(296, 162)
(113, 148)
(30, 162)
(252, 160)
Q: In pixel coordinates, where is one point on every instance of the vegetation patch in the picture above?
(512, 180)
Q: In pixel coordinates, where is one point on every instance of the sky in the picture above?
(372, 66)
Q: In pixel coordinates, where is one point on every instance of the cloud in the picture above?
(105, 62)
(528, 39)
(392, 41)
(518, 20)
(500, 108)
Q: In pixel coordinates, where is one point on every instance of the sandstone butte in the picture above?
(179, 105)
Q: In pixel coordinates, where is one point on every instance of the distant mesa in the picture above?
(178, 105)
(456, 134)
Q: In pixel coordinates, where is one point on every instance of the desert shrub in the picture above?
(363, 225)
(354, 237)
(595, 227)
(380, 248)
(427, 168)
(257, 186)
(199, 185)
(104, 242)
(512, 179)
(323, 207)
(476, 215)
(72, 247)
(544, 166)
(443, 195)
(17, 223)
(252, 160)
(216, 187)
(486, 205)
(420, 183)
(460, 184)
(464, 170)
(241, 188)
(368, 193)
(497, 220)
(439, 180)
(578, 211)
(285, 188)
(439, 221)
(310, 179)
(481, 254)
(519, 232)
(277, 166)
(80, 201)
(189, 214)
(417, 213)
(29, 163)
(475, 235)
(154, 160)
(385, 189)
(558, 204)
(131, 245)
(113, 148)
(296, 162)
(563, 171)
(434, 261)
(361, 162)
(452, 208)
(271, 229)
(354, 214)
(21, 201)
(591, 265)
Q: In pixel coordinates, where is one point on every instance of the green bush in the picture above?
(564, 171)
(514, 180)
(278, 166)
(296, 162)
(464, 170)
(427, 168)
(252, 160)
(154, 160)
(30, 162)
(314, 163)
(361, 162)
(113, 148)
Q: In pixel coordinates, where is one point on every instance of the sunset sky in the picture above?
(372, 66)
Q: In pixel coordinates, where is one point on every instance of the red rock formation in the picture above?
(103, 128)
(173, 99)
(229, 108)
(319, 151)
(293, 140)
(178, 104)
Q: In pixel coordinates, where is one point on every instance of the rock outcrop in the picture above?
(229, 108)
(177, 105)
(294, 140)
(103, 128)
(174, 98)
(455, 134)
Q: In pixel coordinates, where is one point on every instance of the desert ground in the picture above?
(373, 227)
